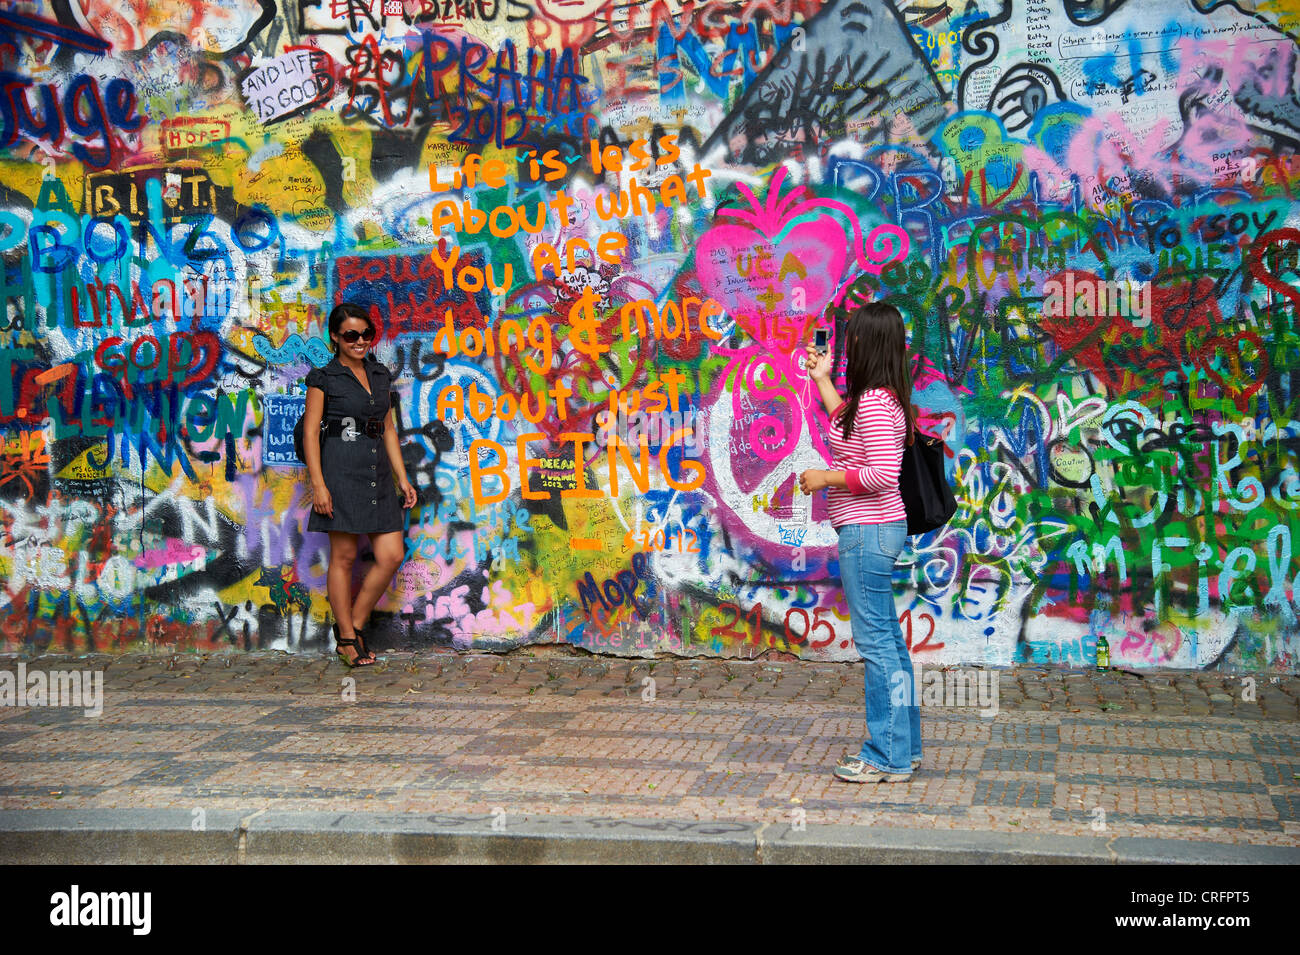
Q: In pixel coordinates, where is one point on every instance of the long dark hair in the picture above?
(341, 313)
(876, 352)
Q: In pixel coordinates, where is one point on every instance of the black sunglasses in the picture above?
(351, 335)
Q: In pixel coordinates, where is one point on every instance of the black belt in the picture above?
(371, 428)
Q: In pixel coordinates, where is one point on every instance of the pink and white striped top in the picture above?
(871, 460)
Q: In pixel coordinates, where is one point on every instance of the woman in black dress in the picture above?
(352, 461)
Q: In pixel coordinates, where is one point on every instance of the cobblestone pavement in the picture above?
(1172, 755)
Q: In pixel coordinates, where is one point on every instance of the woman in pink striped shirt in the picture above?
(867, 431)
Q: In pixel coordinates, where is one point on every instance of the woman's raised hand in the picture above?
(818, 363)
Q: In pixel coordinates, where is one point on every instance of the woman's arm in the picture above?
(394, 451)
(322, 503)
(819, 370)
(814, 480)
(873, 432)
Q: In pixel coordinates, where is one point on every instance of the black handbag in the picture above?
(927, 498)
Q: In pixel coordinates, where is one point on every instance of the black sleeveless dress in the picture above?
(355, 465)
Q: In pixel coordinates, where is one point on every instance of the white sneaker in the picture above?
(854, 770)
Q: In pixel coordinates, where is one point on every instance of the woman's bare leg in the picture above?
(338, 585)
(389, 554)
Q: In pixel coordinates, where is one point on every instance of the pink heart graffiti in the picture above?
(775, 274)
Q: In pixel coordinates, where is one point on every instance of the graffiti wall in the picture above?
(594, 238)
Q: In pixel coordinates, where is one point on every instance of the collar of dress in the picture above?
(336, 367)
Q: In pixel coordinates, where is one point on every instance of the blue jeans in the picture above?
(867, 555)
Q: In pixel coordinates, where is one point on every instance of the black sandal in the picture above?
(361, 639)
(361, 660)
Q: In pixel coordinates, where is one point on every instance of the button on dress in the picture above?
(356, 470)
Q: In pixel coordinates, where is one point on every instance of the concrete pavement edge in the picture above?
(165, 836)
